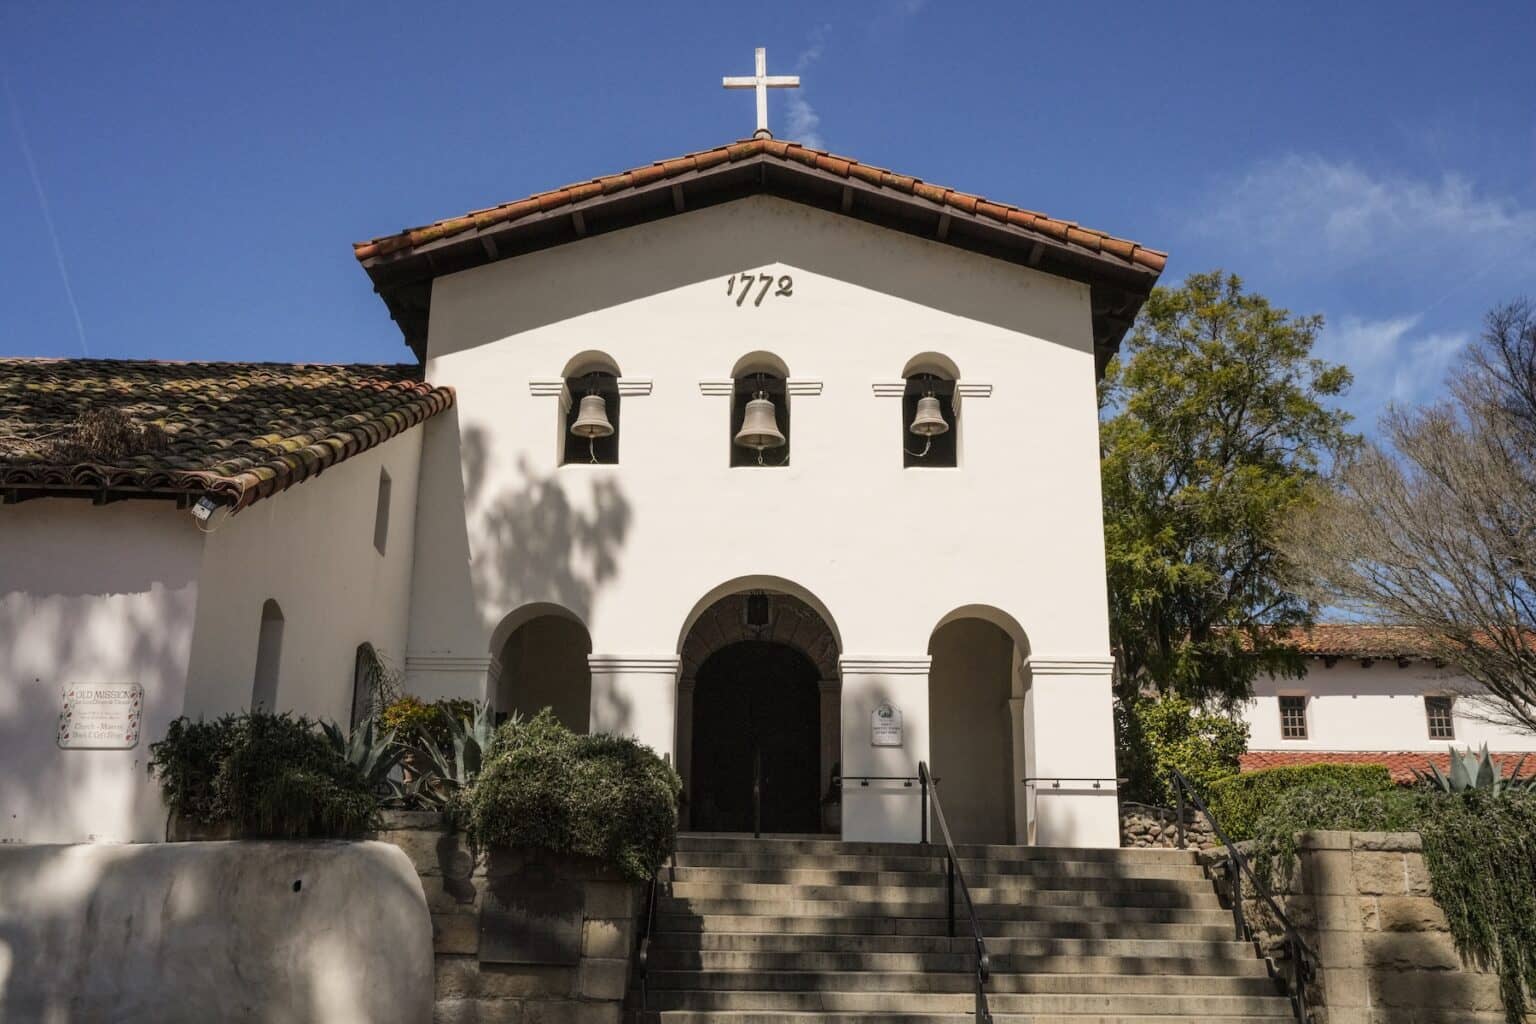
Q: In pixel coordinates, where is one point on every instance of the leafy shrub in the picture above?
(1481, 851)
(1479, 846)
(417, 723)
(1240, 800)
(1155, 734)
(269, 775)
(607, 797)
(1335, 803)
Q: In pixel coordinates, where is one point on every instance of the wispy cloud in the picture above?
(42, 202)
(1340, 215)
(1391, 359)
(804, 122)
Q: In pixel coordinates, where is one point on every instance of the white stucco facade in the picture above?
(1374, 706)
(639, 550)
(135, 592)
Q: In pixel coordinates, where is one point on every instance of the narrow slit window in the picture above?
(381, 514)
(269, 658)
(1293, 717)
(1442, 724)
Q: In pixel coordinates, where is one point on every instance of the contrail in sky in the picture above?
(42, 202)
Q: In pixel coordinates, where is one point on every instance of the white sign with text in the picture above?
(885, 726)
(101, 716)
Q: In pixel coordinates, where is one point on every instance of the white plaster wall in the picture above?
(632, 549)
(311, 550)
(185, 933)
(89, 595)
(1351, 707)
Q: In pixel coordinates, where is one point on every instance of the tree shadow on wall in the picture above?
(542, 546)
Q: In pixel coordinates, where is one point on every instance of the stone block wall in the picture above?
(1361, 900)
(459, 883)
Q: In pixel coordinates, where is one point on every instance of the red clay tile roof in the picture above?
(236, 431)
(1359, 640)
(1402, 764)
(1120, 273)
(1067, 231)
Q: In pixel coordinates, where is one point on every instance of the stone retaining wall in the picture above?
(1144, 826)
(1361, 900)
(556, 895)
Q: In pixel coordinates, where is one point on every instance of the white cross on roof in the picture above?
(762, 82)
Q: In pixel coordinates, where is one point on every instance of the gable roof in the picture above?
(238, 432)
(1119, 271)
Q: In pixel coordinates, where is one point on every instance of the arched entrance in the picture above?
(540, 661)
(975, 690)
(758, 728)
(756, 741)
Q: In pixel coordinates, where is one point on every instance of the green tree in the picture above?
(1215, 424)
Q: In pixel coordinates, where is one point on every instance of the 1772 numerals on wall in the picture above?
(743, 285)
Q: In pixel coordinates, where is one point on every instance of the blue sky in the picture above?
(184, 180)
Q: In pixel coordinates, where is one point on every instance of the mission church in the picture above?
(785, 464)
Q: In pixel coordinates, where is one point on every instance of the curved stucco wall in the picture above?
(195, 932)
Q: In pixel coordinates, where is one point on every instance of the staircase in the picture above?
(775, 931)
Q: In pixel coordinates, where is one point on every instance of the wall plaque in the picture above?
(101, 716)
(885, 726)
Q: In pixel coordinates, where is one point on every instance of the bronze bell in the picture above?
(592, 418)
(929, 421)
(760, 425)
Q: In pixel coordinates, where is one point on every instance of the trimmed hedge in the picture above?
(269, 776)
(607, 797)
(1238, 802)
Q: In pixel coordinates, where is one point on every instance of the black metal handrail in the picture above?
(952, 874)
(643, 957)
(1303, 959)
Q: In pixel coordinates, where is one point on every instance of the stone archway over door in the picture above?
(766, 617)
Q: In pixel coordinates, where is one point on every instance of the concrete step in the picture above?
(796, 870)
(1258, 985)
(1201, 956)
(1069, 927)
(819, 849)
(1056, 910)
(818, 1017)
(1147, 893)
(1182, 1006)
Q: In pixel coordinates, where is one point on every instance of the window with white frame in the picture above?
(1293, 717)
(1437, 711)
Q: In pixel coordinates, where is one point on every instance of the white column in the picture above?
(685, 690)
(1069, 739)
(1017, 732)
(831, 729)
(636, 695)
(883, 811)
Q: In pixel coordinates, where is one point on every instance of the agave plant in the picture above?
(1479, 771)
(373, 755)
(453, 770)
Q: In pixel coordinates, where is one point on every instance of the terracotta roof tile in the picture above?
(238, 431)
(1359, 640)
(1402, 764)
(1066, 231)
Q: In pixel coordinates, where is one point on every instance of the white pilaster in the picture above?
(1068, 721)
(685, 688)
(831, 728)
(467, 677)
(636, 695)
(883, 811)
